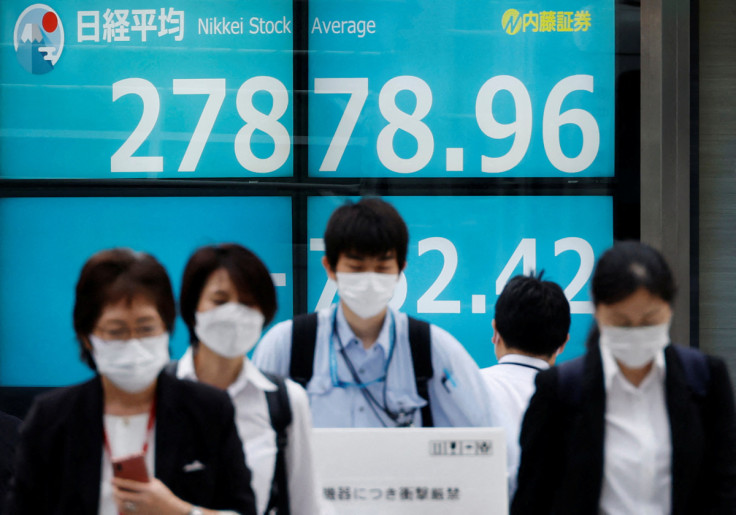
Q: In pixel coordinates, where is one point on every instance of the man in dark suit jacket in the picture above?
(8, 439)
(562, 437)
(199, 456)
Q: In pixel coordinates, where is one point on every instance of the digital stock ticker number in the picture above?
(416, 89)
(524, 256)
(261, 124)
(414, 125)
(254, 120)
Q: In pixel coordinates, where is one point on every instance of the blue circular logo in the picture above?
(38, 39)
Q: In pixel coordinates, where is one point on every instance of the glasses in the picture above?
(126, 333)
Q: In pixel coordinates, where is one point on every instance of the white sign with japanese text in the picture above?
(412, 470)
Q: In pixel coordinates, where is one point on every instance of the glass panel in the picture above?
(46, 241)
(199, 90)
(463, 250)
(523, 143)
(430, 88)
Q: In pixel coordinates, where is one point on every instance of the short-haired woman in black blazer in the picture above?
(637, 425)
(123, 314)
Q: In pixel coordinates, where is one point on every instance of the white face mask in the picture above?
(635, 346)
(231, 330)
(366, 293)
(131, 365)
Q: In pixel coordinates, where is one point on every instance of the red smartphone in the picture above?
(131, 467)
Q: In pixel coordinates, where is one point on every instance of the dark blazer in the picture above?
(562, 440)
(8, 438)
(59, 456)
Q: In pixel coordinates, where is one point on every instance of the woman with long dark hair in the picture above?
(637, 425)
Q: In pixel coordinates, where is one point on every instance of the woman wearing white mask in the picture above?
(637, 425)
(227, 297)
(183, 433)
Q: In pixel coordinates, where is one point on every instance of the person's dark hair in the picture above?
(532, 315)
(370, 227)
(113, 275)
(628, 266)
(247, 272)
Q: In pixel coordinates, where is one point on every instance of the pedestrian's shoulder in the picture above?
(64, 399)
(295, 391)
(277, 339)
(445, 346)
(441, 341)
(282, 332)
(194, 396)
(8, 421)
(564, 380)
(279, 331)
(442, 338)
(273, 352)
(8, 431)
(52, 410)
(491, 373)
(298, 398)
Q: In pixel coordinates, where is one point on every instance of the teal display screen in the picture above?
(129, 90)
(463, 250)
(431, 88)
(46, 241)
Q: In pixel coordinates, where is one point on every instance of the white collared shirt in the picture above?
(637, 470)
(511, 385)
(126, 435)
(259, 439)
(458, 394)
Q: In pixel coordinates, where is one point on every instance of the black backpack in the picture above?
(304, 337)
(279, 410)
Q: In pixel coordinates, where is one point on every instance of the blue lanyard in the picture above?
(338, 383)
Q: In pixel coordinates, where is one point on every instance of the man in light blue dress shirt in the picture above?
(363, 371)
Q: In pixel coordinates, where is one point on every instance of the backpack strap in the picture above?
(421, 356)
(303, 339)
(279, 410)
(695, 366)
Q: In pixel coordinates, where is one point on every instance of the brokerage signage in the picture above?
(431, 88)
(411, 471)
(463, 251)
(189, 89)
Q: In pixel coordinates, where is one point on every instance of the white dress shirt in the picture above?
(259, 438)
(126, 436)
(511, 385)
(637, 470)
(457, 392)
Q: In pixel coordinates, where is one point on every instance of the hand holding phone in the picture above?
(131, 467)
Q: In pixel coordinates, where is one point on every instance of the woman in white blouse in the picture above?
(227, 297)
(637, 425)
(190, 456)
